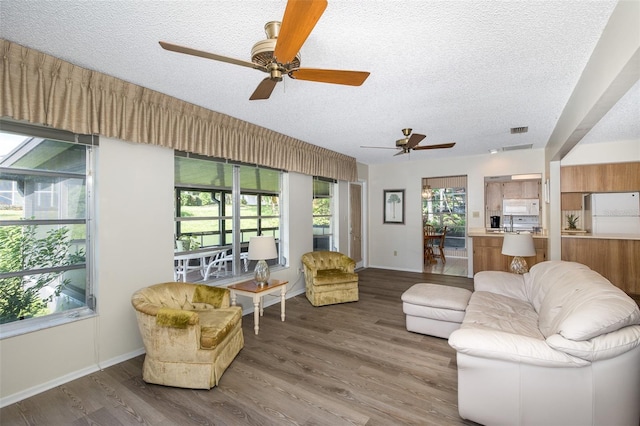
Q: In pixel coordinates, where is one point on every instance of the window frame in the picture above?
(331, 236)
(27, 325)
(236, 242)
(439, 218)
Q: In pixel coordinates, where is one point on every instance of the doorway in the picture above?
(356, 224)
(444, 210)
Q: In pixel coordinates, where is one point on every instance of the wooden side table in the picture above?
(252, 289)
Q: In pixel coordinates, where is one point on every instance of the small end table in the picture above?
(256, 292)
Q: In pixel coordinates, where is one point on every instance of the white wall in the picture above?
(598, 153)
(134, 213)
(134, 249)
(406, 239)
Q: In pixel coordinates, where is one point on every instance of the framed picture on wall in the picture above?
(393, 200)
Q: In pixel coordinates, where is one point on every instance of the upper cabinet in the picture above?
(521, 189)
(493, 196)
(612, 177)
(571, 201)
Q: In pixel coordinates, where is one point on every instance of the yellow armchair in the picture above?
(190, 333)
(329, 278)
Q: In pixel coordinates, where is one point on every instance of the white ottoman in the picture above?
(436, 310)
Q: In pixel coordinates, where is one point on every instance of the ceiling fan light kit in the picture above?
(279, 53)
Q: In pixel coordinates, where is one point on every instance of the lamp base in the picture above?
(262, 273)
(519, 265)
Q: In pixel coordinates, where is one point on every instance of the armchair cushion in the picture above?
(217, 297)
(215, 326)
(176, 318)
(333, 276)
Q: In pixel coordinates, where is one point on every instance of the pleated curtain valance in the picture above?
(446, 182)
(42, 89)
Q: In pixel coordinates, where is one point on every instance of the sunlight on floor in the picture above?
(454, 266)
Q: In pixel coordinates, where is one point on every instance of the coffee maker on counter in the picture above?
(495, 222)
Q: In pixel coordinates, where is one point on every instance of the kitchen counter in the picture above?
(604, 236)
(487, 250)
(484, 233)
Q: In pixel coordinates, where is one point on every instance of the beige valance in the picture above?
(42, 89)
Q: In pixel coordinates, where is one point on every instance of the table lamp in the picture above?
(518, 245)
(261, 248)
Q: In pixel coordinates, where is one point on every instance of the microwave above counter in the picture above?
(521, 207)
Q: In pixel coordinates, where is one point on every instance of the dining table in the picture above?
(182, 261)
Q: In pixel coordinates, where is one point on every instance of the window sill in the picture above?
(30, 325)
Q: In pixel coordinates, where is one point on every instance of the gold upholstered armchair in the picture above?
(330, 278)
(190, 333)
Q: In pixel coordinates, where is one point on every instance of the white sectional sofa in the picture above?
(559, 345)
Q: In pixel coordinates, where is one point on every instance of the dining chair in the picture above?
(429, 231)
(440, 245)
(244, 257)
(216, 265)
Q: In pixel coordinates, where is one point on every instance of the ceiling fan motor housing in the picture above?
(262, 51)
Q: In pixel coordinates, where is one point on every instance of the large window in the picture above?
(323, 213)
(44, 237)
(223, 205)
(444, 203)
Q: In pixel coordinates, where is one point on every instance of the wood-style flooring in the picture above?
(453, 266)
(346, 364)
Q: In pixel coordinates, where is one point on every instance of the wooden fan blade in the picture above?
(264, 89)
(442, 145)
(378, 147)
(207, 55)
(298, 21)
(414, 140)
(401, 152)
(349, 78)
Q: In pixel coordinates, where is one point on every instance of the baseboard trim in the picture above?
(42, 387)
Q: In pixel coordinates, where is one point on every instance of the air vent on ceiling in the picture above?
(516, 130)
(517, 147)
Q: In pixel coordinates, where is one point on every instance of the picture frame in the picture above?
(393, 206)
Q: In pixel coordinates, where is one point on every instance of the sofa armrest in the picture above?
(499, 282)
(605, 346)
(517, 348)
(309, 266)
(347, 264)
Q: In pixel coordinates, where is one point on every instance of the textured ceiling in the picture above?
(463, 71)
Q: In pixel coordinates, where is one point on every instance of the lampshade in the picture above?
(263, 247)
(518, 245)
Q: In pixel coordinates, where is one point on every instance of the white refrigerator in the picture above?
(615, 213)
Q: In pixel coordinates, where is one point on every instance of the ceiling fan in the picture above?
(410, 142)
(279, 53)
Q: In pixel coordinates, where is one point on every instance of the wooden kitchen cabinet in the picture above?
(487, 253)
(493, 196)
(614, 259)
(521, 189)
(495, 192)
(610, 177)
(571, 201)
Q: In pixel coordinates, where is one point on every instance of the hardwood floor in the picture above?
(346, 364)
(453, 266)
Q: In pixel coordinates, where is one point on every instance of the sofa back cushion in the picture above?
(578, 303)
(545, 275)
